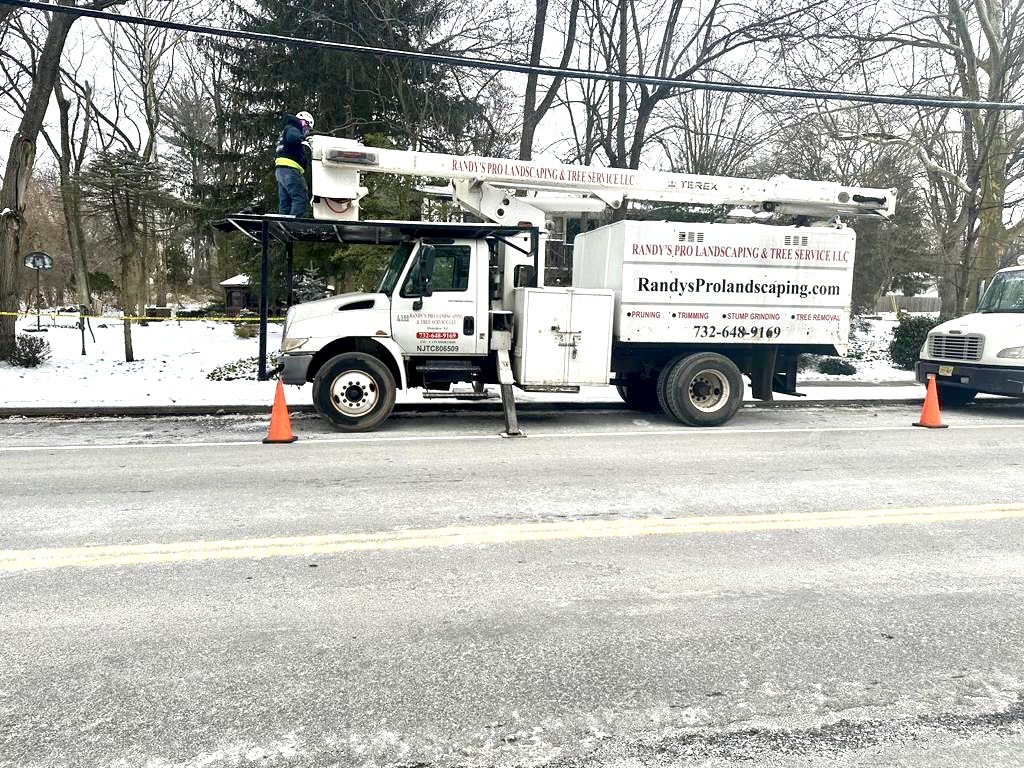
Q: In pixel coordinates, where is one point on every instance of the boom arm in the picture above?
(480, 184)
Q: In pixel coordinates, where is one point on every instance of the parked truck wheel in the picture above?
(640, 395)
(701, 390)
(354, 391)
(954, 397)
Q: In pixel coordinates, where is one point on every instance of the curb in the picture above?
(147, 411)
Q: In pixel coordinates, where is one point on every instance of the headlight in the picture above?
(1017, 352)
(289, 345)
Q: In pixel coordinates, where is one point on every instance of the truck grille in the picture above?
(955, 347)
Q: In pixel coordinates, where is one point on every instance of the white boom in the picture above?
(480, 185)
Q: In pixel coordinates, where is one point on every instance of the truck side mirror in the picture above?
(525, 276)
(426, 270)
(424, 275)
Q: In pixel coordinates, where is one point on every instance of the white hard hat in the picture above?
(306, 117)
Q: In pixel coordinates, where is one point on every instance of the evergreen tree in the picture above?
(399, 103)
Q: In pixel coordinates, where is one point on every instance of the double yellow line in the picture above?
(329, 544)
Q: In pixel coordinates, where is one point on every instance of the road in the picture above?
(801, 588)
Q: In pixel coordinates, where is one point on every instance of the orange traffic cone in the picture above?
(280, 422)
(930, 412)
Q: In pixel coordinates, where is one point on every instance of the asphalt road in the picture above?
(802, 588)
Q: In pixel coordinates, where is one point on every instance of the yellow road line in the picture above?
(304, 546)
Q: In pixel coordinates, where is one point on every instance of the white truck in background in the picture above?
(982, 351)
(673, 314)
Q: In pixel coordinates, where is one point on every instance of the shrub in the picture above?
(29, 351)
(806, 361)
(907, 339)
(836, 365)
(247, 368)
(246, 330)
(210, 310)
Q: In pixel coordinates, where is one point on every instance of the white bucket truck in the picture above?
(673, 314)
(982, 351)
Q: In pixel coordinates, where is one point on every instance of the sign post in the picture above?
(38, 261)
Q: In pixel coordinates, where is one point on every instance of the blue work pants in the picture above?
(292, 195)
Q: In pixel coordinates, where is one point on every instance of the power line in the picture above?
(520, 68)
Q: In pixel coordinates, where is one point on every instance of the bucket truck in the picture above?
(673, 314)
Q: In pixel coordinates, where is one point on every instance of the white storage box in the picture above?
(563, 336)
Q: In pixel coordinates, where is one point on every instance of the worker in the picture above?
(289, 162)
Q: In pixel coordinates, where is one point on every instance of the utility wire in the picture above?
(511, 66)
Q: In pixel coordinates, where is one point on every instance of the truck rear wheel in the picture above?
(640, 395)
(701, 390)
(354, 391)
(954, 397)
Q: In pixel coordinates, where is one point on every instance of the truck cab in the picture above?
(982, 351)
(432, 303)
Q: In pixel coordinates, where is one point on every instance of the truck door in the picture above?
(452, 320)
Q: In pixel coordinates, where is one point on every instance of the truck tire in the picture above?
(954, 397)
(354, 391)
(701, 390)
(640, 395)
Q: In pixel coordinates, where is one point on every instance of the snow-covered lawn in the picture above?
(173, 359)
(869, 352)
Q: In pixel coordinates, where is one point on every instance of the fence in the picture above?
(893, 303)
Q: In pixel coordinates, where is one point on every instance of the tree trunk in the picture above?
(71, 194)
(992, 238)
(127, 302)
(19, 170)
(530, 116)
(623, 89)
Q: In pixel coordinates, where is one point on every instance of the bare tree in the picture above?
(68, 148)
(534, 108)
(715, 133)
(144, 60)
(21, 160)
(674, 40)
(974, 159)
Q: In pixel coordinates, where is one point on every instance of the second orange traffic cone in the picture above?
(280, 421)
(930, 411)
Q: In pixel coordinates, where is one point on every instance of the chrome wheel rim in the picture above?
(354, 393)
(709, 391)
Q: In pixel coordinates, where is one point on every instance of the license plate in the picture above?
(945, 370)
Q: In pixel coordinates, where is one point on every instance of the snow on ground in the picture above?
(173, 359)
(869, 352)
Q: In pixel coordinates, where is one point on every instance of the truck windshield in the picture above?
(394, 270)
(1005, 294)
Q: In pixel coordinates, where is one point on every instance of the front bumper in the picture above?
(295, 368)
(992, 379)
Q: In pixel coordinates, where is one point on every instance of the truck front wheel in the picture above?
(701, 390)
(954, 397)
(354, 391)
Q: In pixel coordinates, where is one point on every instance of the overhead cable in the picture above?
(913, 100)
